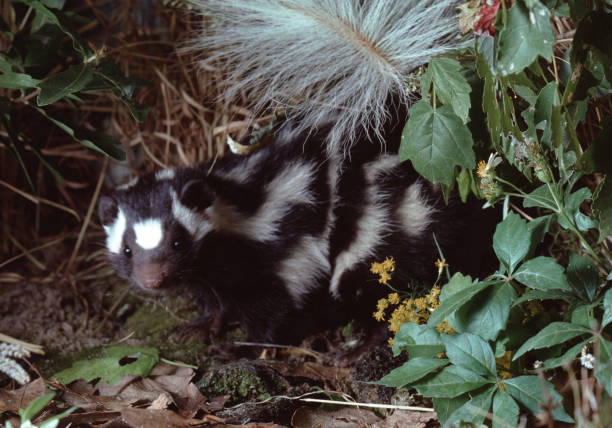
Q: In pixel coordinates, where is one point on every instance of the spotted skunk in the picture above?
(283, 239)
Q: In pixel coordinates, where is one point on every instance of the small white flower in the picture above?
(537, 364)
(587, 360)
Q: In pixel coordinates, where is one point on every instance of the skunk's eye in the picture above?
(127, 251)
(177, 245)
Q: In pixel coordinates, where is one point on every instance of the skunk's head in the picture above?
(155, 226)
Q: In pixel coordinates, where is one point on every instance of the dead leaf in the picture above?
(406, 418)
(309, 417)
(150, 418)
(12, 401)
(310, 370)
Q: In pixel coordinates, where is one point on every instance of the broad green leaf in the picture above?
(12, 80)
(474, 411)
(552, 294)
(583, 315)
(411, 371)
(490, 105)
(583, 276)
(464, 181)
(450, 382)
(553, 334)
(570, 354)
(470, 352)
(448, 307)
(572, 205)
(451, 87)
(98, 141)
(607, 303)
(436, 141)
(538, 228)
(602, 206)
(486, 314)
(65, 83)
(527, 34)
(511, 241)
(542, 197)
(418, 341)
(505, 410)
(542, 273)
(445, 407)
(529, 391)
(109, 368)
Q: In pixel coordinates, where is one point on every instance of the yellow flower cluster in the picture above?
(415, 310)
(383, 270)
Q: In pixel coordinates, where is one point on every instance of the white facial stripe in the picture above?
(414, 211)
(165, 174)
(149, 233)
(196, 224)
(115, 232)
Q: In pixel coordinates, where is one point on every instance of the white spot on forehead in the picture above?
(165, 174)
(149, 233)
(115, 233)
(195, 223)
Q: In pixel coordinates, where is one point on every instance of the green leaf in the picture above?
(484, 63)
(603, 370)
(528, 33)
(542, 273)
(552, 294)
(418, 341)
(602, 207)
(511, 241)
(470, 352)
(65, 83)
(572, 207)
(450, 382)
(607, 303)
(445, 407)
(505, 410)
(598, 157)
(553, 334)
(583, 276)
(487, 314)
(583, 315)
(529, 391)
(110, 368)
(436, 141)
(12, 80)
(546, 106)
(474, 411)
(449, 306)
(542, 197)
(450, 85)
(464, 181)
(98, 141)
(36, 406)
(570, 354)
(411, 371)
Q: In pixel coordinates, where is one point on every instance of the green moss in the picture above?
(243, 381)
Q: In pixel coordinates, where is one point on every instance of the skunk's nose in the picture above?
(150, 275)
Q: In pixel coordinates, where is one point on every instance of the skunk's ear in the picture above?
(107, 210)
(197, 194)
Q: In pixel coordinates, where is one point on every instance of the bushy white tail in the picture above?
(326, 61)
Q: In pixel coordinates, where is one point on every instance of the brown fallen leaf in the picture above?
(310, 370)
(309, 417)
(150, 418)
(12, 401)
(406, 418)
